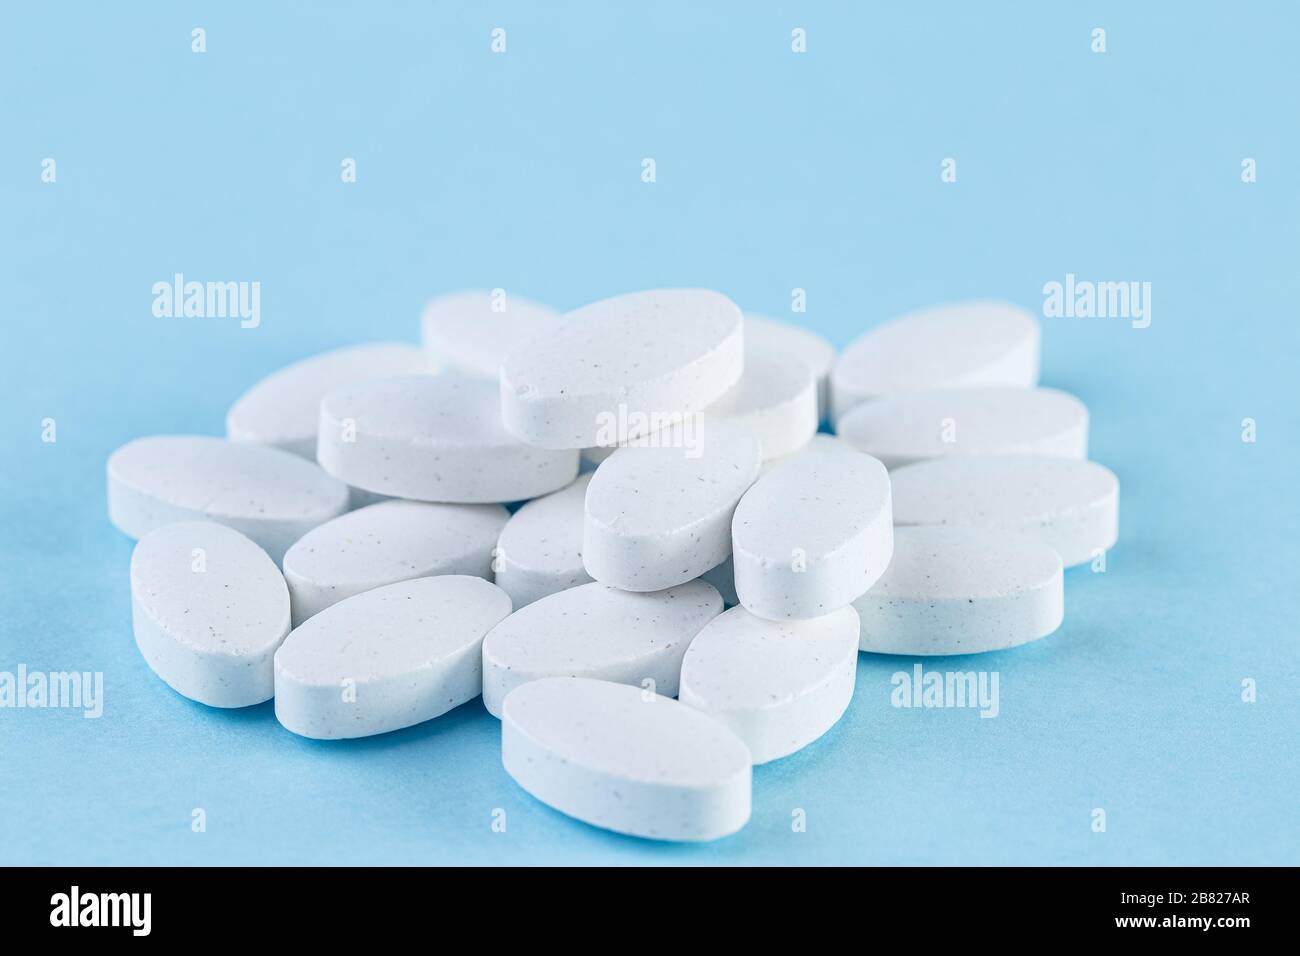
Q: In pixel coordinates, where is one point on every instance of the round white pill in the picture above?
(657, 517)
(626, 760)
(388, 658)
(209, 608)
(270, 495)
(967, 343)
(600, 632)
(622, 367)
(283, 409)
(540, 548)
(434, 438)
(776, 399)
(471, 331)
(812, 534)
(962, 591)
(994, 420)
(778, 684)
(1072, 505)
(786, 338)
(389, 542)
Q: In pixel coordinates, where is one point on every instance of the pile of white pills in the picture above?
(389, 531)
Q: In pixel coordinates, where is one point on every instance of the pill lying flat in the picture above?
(658, 517)
(776, 398)
(619, 758)
(387, 658)
(778, 684)
(994, 420)
(1072, 505)
(270, 495)
(962, 591)
(966, 343)
(433, 438)
(209, 608)
(812, 534)
(471, 331)
(540, 547)
(786, 338)
(283, 409)
(600, 632)
(621, 367)
(389, 542)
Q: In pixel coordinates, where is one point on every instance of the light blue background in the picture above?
(775, 171)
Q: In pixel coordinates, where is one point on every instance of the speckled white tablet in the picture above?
(272, 496)
(962, 591)
(209, 608)
(1072, 505)
(597, 631)
(966, 343)
(778, 684)
(776, 399)
(986, 420)
(388, 658)
(786, 338)
(610, 370)
(540, 547)
(434, 438)
(389, 542)
(657, 517)
(283, 409)
(471, 331)
(619, 758)
(812, 534)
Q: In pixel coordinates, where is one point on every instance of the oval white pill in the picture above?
(966, 343)
(915, 426)
(618, 758)
(471, 331)
(1072, 505)
(657, 517)
(776, 399)
(540, 548)
(283, 409)
(962, 591)
(812, 534)
(270, 495)
(778, 684)
(209, 608)
(600, 632)
(622, 367)
(786, 338)
(388, 542)
(434, 438)
(388, 658)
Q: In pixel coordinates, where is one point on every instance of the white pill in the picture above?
(283, 409)
(962, 591)
(600, 632)
(658, 517)
(388, 658)
(778, 684)
(776, 399)
(622, 367)
(1072, 505)
(617, 757)
(994, 420)
(540, 548)
(967, 343)
(209, 608)
(389, 542)
(812, 534)
(270, 495)
(434, 438)
(786, 338)
(471, 331)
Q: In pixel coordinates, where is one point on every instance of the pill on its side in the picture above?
(776, 399)
(540, 548)
(471, 331)
(801, 343)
